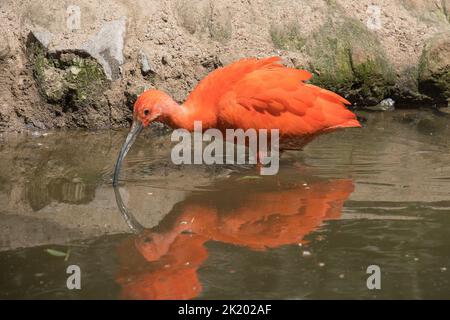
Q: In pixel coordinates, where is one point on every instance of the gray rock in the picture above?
(107, 47)
(143, 61)
(44, 37)
(384, 105)
(434, 68)
(70, 77)
(387, 104)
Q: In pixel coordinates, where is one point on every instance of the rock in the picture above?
(406, 90)
(145, 65)
(445, 110)
(434, 68)
(384, 105)
(107, 47)
(348, 59)
(44, 37)
(71, 78)
(52, 84)
(84, 79)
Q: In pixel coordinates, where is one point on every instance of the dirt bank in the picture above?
(81, 64)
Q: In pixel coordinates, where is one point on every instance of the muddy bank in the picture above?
(81, 65)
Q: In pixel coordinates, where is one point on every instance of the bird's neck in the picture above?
(182, 116)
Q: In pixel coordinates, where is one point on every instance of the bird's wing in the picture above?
(277, 98)
(211, 89)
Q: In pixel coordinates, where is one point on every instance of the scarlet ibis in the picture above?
(249, 93)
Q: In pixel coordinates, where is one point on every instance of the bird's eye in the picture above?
(147, 240)
(146, 112)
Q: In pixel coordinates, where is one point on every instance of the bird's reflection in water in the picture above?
(162, 262)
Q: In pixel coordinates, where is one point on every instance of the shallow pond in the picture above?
(379, 195)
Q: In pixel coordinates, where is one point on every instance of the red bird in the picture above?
(250, 93)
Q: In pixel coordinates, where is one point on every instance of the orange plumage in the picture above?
(253, 93)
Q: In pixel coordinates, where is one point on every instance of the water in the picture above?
(375, 196)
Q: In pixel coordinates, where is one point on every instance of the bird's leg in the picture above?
(258, 168)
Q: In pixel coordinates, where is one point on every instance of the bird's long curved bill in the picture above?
(130, 220)
(135, 130)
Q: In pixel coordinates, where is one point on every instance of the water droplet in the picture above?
(443, 269)
(342, 276)
(306, 253)
(416, 259)
(321, 264)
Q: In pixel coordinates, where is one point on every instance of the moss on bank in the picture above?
(71, 78)
(348, 58)
(287, 36)
(434, 68)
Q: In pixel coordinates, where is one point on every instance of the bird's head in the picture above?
(152, 105)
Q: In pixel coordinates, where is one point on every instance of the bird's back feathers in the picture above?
(211, 88)
(263, 94)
